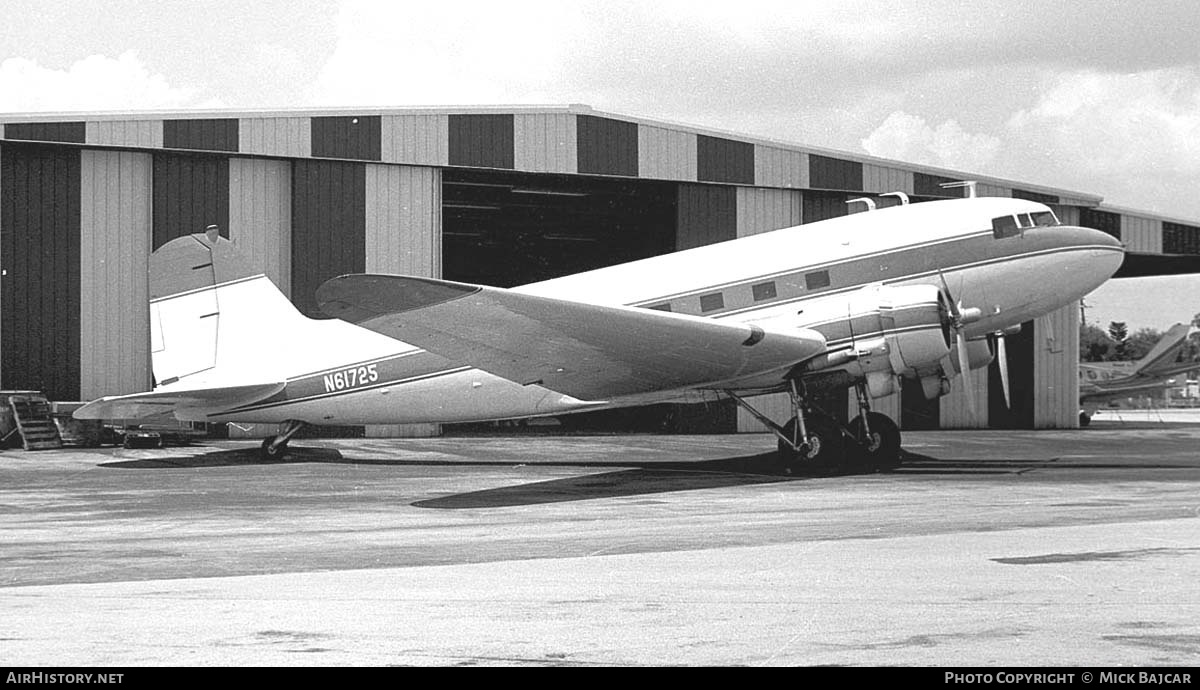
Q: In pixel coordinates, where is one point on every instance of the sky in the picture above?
(1095, 96)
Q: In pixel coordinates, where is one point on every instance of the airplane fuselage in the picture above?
(815, 276)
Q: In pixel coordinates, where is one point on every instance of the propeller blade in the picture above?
(1002, 362)
(964, 369)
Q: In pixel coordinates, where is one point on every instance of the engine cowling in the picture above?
(893, 332)
(979, 355)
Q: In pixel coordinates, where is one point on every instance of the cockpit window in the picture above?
(1044, 219)
(1005, 226)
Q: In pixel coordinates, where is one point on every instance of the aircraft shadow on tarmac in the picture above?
(626, 479)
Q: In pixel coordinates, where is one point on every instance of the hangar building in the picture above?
(501, 196)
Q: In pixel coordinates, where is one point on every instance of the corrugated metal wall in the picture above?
(780, 167)
(328, 226)
(191, 192)
(1144, 235)
(544, 142)
(954, 411)
(260, 215)
(136, 133)
(1022, 383)
(881, 179)
(416, 139)
(931, 186)
(481, 141)
(115, 216)
(724, 160)
(706, 214)
(39, 250)
(666, 154)
(758, 211)
(1056, 369)
(275, 136)
(68, 132)
(834, 173)
(202, 135)
(358, 137)
(403, 227)
(607, 147)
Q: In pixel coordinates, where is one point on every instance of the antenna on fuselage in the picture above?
(899, 195)
(969, 184)
(865, 200)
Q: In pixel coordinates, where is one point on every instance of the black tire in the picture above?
(1084, 419)
(269, 455)
(881, 451)
(826, 450)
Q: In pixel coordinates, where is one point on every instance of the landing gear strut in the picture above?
(814, 442)
(274, 447)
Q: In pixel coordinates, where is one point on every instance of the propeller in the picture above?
(1002, 362)
(959, 318)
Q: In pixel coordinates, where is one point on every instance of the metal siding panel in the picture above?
(780, 167)
(544, 142)
(724, 160)
(606, 146)
(415, 139)
(954, 412)
(115, 248)
(275, 136)
(985, 189)
(328, 226)
(481, 141)
(1056, 369)
(776, 406)
(67, 132)
(219, 134)
(402, 229)
(260, 215)
(1143, 235)
(357, 137)
(666, 154)
(190, 193)
(834, 173)
(707, 214)
(40, 309)
(882, 179)
(762, 210)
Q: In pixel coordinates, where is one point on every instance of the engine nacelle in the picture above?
(894, 332)
(979, 355)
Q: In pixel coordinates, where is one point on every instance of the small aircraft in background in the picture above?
(922, 291)
(1100, 382)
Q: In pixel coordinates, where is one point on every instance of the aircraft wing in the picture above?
(159, 402)
(584, 350)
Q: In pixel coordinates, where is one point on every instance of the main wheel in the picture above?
(269, 455)
(1084, 419)
(878, 451)
(825, 451)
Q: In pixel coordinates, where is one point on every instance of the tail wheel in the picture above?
(824, 451)
(879, 450)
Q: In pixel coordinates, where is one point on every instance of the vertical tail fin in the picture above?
(212, 318)
(1160, 360)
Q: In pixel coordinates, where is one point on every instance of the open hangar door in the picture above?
(506, 229)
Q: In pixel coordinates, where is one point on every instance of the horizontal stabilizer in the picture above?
(588, 351)
(160, 402)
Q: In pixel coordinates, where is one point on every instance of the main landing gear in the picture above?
(274, 447)
(813, 442)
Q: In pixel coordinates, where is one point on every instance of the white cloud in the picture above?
(97, 82)
(910, 138)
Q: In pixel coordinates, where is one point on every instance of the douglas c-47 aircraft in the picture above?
(922, 291)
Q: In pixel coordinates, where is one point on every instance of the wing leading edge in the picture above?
(588, 351)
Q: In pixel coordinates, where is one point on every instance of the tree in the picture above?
(1094, 343)
(1118, 332)
(1140, 343)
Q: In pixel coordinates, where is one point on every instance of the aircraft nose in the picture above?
(1098, 257)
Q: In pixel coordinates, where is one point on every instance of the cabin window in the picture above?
(1005, 226)
(763, 291)
(1025, 220)
(816, 280)
(712, 302)
(665, 306)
